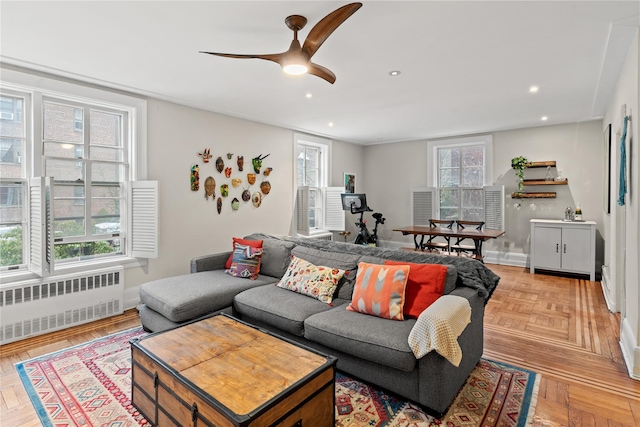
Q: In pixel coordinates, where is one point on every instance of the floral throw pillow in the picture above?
(245, 262)
(305, 278)
(380, 290)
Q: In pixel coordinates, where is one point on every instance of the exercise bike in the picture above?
(364, 237)
(357, 204)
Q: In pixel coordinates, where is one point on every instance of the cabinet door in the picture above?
(576, 249)
(547, 247)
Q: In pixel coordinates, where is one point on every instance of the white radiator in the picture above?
(323, 236)
(57, 302)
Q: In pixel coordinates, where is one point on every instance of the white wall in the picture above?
(190, 225)
(627, 93)
(391, 170)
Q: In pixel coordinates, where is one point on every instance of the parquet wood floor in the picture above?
(557, 326)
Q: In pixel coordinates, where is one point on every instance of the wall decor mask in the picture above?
(224, 190)
(265, 187)
(236, 182)
(219, 164)
(219, 205)
(227, 172)
(257, 162)
(209, 188)
(206, 155)
(240, 163)
(235, 204)
(195, 178)
(251, 178)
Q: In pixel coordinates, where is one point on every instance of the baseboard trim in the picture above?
(630, 350)
(606, 289)
(131, 297)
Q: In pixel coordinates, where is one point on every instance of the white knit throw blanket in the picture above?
(439, 326)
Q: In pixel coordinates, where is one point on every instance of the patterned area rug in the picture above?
(90, 385)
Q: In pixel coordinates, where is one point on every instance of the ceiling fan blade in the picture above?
(327, 25)
(275, 57)
(322, 72)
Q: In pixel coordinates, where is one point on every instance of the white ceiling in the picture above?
(466, 66)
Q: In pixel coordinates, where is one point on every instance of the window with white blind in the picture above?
(318, 206)
(459, 169)
(90, 144)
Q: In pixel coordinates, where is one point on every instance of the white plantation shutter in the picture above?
(423, 205)
(41, 253)
(494, 207)
(302, 210)
(333, 213)
(143, 202)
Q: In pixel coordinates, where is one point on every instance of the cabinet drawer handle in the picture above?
(557, 247)
(564, 248)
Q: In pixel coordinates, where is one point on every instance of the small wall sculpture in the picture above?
(219, 164)
(206, 155)
(235, 204)
(236, 182)
(209, 188)
(251, 178)
(257, 162)
(224, 190)
(195, 178)
(240, 163)
(265, 187)
(227, 172)
(246, 195)
(256, 199)
(219, 205)
(267, 171)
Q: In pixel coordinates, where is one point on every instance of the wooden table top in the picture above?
(236, 364)
(470, 233)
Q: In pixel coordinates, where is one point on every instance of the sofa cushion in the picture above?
(315, 281)
(246, 242)
(245, 262)
(341, 260)
(380, 290)
(278, 307)
(424, 286)
(188, 296)
(275, 256)
(371, 338)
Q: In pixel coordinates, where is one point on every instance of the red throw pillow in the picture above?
(424, 286)
(256, 244)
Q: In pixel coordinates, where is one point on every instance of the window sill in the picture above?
(73, 267)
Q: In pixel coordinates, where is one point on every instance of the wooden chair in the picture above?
(467, 249)
(433, 245)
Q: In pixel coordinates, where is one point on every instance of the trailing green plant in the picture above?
(519, 164)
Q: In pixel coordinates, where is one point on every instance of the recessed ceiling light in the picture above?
(544, 118)
(309, 95)
(394, 73)
(533, 89)
(330, 124)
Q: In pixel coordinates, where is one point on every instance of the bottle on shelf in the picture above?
(578, 215)
(549, 176)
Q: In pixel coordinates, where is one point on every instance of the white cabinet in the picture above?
(563, 246)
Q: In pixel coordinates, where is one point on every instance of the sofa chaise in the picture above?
(374, 349)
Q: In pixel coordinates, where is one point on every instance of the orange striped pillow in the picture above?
(380, 290)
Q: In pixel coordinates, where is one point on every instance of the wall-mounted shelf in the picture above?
(547, 195)
(551, 163)
(544, 182)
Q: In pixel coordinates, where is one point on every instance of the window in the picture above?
(91, 143)
(311, 166)
(89, 174)
(13, 134)
(459, 169)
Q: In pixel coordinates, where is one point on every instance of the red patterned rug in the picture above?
(89, 385)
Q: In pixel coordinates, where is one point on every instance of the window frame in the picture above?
(37, 86)
(433, 163)
(324, 172)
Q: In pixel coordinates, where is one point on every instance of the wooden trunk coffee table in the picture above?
(223, 372)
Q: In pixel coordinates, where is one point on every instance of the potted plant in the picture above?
(519, 164)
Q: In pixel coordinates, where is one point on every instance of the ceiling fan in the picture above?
(297, 60)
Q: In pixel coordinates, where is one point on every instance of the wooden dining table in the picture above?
(478, 236)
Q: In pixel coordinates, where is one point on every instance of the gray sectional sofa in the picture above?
(373, 349)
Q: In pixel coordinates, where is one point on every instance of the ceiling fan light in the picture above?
(295, 69)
